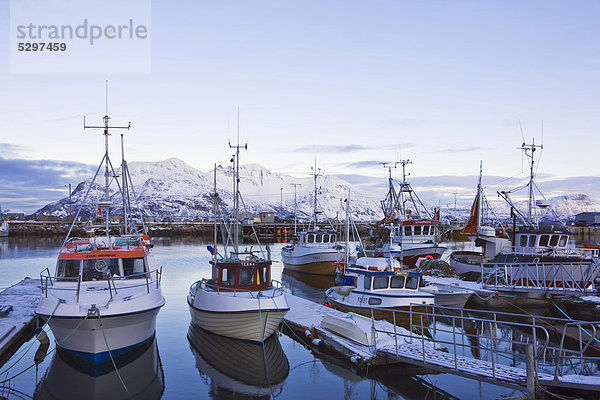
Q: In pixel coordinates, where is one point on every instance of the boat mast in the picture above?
(390, 204)
(214, 255)
(236, 185)
(295, 185)
(105, 202)
(405, 188)
(529, 150)
(479, 198)
(316, 172)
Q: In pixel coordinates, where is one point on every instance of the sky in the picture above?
(352, 83)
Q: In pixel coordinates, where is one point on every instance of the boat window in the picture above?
(417, 230)
(99, 268)
(133, 266)
(318, 238)
(425, 230)
(407, 230)
(246, 276)
(397, 282)
(563, 240)
(532, 240)
(367, 282)
(523, 241)
(412, 282)
(227, 276)
(380, 282)
(373, 301)
(325, 238)
(68, 268)
(544, 240)
(554, 240)
(332, 239)
(311, 238)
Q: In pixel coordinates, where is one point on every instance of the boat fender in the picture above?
(317, 342)
(307, 332)
(355, 359)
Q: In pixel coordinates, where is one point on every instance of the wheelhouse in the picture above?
(417, 231)
(241, 275)
(375, 280)
(530, 242)
(317, 238)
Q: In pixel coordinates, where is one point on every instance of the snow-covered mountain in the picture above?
(171, 188)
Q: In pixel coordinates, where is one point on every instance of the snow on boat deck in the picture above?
(18, 323)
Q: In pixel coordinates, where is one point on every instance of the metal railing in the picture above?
(276, 286)
(151, 278)
(559, 277)
(560, 346)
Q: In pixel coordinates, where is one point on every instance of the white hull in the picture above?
(240, 315)
(87, 336)
(310, 260)
(449, 296)
(4, 229)
(466, 262)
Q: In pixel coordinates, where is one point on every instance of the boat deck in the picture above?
(17, 317)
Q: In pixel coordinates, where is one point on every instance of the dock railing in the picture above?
(573, 278)
(560, 346)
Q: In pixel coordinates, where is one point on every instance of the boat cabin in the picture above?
(373, 281)
(316, 238)
(415, 231)
(237, 274)
(94, 260)
(537, 242)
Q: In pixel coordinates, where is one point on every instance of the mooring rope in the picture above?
(94, 309)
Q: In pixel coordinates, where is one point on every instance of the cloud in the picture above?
(10, 150)
(325, 148)
(26, 185)
(360, 164)
(463, 149)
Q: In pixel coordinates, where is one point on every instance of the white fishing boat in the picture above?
(378, 286)
(537, 253)
(240, 300)
(448, 295)
(413, 229)
(105, 294)
(316, 250)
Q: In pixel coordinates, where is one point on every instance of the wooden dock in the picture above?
(17, 317)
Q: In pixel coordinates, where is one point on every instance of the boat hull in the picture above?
(252, 326)
(464, 262)
(87, 338)
(316, 262)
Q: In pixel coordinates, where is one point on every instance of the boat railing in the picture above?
(550, 251)
(560, 346)
(276, 287)
(151, 279)
(549, 277)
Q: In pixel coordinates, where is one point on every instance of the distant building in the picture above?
(587, 218)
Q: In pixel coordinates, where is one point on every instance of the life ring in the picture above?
(536, 260)
(516, 259)
(101, 266)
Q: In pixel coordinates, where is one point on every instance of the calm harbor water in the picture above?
(209, 367)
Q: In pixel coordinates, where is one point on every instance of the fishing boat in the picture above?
(105, 293)
(413, 229)
(537, 253)
(315, 250)
(239, 369)
(375, 286)
(448, 295)
(240, 300)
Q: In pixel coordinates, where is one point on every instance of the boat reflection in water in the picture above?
(69, 378)
(237, 368)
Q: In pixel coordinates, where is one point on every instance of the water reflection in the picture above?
(238, 369)
(140, 370)
(308, 286)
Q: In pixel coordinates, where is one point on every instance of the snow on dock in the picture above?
(17, 318)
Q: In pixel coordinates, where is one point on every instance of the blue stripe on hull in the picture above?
(98, 364)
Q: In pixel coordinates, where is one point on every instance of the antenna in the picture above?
(105, 202)
(236, 182)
